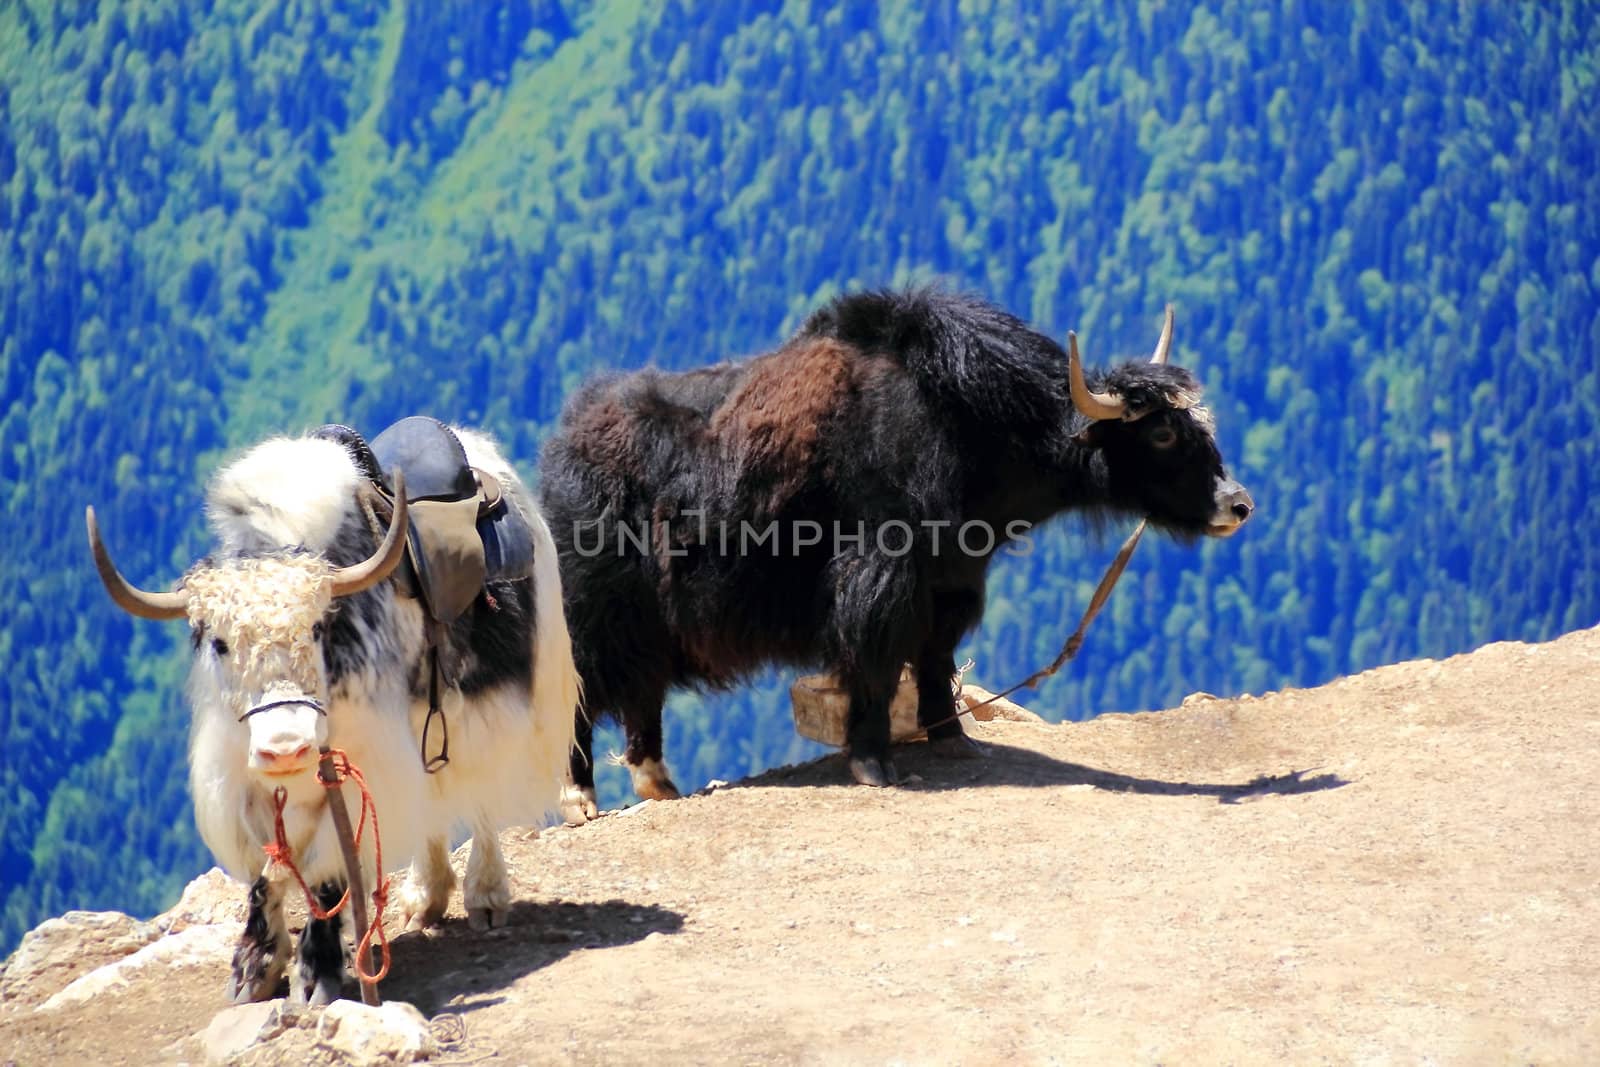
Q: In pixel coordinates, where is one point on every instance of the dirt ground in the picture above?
(1397, 867)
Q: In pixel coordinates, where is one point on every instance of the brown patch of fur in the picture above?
(606, 435)
(614, 430)
(771, 423)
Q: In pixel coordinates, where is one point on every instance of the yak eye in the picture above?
(317, 630)
(1163, 436)
(219, 646)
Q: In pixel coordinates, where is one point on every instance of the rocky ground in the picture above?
(1396, 867)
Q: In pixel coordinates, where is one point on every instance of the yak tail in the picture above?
(976, 362)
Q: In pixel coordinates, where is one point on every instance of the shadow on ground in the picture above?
(1002, 765)
(462, 969)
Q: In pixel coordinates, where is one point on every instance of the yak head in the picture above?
(258, 624)
(1159, 444)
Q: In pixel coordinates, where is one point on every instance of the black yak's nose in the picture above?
(1232, 505)
(1239, 503)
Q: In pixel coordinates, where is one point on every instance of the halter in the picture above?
(311, 702)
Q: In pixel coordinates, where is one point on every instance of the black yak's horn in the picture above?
(1094, 405)
(1164, 346)
(129, 597)
(359, 577)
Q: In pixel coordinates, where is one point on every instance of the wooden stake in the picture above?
(352, 864)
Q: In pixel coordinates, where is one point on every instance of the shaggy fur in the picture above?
(262, 610)
(283, 515)
(918, 408)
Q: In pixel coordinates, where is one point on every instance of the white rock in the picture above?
(236, 1029)
(393, 1033)
(56, 950)
(211, 898)
(188, 948)
(986, 707)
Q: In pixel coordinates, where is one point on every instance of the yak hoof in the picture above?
(578, 805)
(651, 781)
(255, 975)
(417, 911)
(487, 895)
(659, 789)
(422, 920)
(325, 991)
(960, 746)
(869, 770)
(243, 990)
(316, 991)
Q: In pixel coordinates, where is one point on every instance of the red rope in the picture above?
(278, 851)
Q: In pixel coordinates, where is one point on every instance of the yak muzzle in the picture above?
(1233, 507)
(286, 736)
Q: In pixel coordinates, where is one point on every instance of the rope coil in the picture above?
(278, 851)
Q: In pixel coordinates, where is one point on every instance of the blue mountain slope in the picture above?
(1376, 222)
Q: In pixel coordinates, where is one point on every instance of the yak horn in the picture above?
(1096, 406)
(130, 598)
(359, 577)
(1164, 346)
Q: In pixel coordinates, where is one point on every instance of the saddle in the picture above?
(462, 534)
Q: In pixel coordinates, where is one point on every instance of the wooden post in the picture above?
(352, 864)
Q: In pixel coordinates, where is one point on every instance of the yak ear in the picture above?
(1183, 399)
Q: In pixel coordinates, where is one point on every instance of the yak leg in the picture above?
(321, 971)
(578, 804)
(651, 780)
(425, 896)
(954, 614)
(867, 729)
(262, 953)
(487, 890)
(876, 605)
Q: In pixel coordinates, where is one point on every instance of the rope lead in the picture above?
(278, 851)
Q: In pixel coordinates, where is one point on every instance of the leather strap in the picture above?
(437, 763)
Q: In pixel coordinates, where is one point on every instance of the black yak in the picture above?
(837, 502)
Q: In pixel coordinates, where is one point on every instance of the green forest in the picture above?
(1379, 223)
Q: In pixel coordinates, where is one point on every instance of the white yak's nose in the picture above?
(285, 754)
(283, 737)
